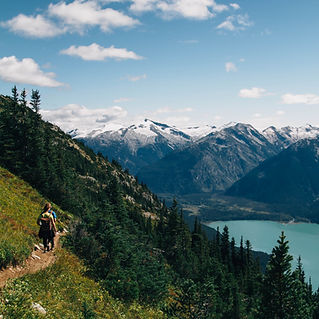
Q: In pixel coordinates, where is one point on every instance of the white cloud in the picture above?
(139, 6)
(235, 6)
(136, 78)
(257, 115)
(95, 52)
(243, 20)
(300, 99)
(253, 93)
(227, 24)
(121, 100)
(280, 112)
(79, 14)
(74, 116)
(198, 9)
(191, 9)
(235, 23)
(71, 17)
(37, 27)
(26, 71)
(230, 67)
(219, 7)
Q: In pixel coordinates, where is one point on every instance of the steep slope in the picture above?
(212, 164)
(61, 290)
(111, 205)
(20, 205)
(290, 179)
(63, 169)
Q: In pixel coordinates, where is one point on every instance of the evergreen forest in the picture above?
(135, 247)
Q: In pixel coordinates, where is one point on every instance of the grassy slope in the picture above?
(20, 206)
(62, 289)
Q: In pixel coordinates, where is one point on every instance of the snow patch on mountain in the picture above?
(288, 135)
(197, 132)
(147, 132)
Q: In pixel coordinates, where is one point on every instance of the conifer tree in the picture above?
(15, 94)
(277, 285)
(225, 246)
(233, 254)
(302, 298)
(23, 97)
(35, 100)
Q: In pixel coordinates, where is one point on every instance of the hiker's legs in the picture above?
(52, 242)
(51, 239)
(46, 242)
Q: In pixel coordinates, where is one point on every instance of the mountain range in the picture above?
(199, 159)
(139, 144)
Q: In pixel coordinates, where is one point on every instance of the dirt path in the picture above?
(37, 261)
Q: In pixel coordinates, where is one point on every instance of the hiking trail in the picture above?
(34, 263)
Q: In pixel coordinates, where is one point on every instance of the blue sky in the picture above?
(182, 62)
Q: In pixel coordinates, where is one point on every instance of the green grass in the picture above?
(20, 206)
(65, 292)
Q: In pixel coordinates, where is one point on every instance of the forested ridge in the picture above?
(133, 245)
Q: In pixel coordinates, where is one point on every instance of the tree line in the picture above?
(157, 259)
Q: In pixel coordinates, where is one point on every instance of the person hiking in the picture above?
(54, 218)
(47, 227)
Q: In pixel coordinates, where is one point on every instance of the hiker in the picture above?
(53, 214)
(54, 218)
(47, 227)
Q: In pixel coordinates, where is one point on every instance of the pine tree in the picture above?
(15, 94)
(277, 285)
(233, 254)
(23, 97)
(302, 298)
(225, 246)
(35, 100)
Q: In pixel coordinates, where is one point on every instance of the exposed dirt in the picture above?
(37, 261)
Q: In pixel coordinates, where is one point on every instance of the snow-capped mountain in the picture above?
(288, 135)
(211, 164)
(139, 144)
(142, 144)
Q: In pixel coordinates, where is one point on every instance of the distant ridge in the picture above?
(211, 164)
(290, 179)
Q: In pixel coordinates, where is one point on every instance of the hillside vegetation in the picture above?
(132, 245)
(62, 290)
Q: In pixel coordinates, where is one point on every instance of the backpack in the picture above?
(45, 226)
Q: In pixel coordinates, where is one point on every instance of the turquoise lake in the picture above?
(263, 235)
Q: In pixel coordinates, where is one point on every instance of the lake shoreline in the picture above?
(293, 221)
(263, 236)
